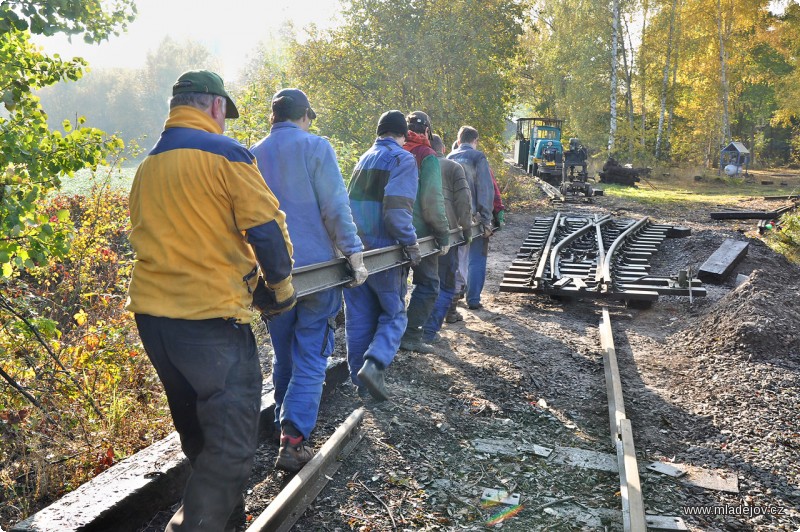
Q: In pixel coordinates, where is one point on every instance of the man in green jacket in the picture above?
(430, 218)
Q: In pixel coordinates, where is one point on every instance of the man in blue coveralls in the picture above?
(301, 170)
(476, 168)
(382, 193)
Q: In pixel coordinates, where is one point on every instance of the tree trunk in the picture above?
(671, 101)
(614, 38)
(723, 59)
(642, 77)
(665, 82)
(628, 92)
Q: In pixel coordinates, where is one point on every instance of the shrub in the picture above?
(786, 240)
(80, 392)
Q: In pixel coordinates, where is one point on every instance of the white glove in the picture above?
(444, 249)
(357, 268)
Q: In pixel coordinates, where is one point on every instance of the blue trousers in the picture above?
(448, 271)
(423, 297)
(212, 377)
(375, 319)
(476, 275)
(303, 340)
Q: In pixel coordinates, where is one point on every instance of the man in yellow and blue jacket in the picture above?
(202, 220)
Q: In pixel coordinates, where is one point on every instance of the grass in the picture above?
(710, 190)
(81, 183)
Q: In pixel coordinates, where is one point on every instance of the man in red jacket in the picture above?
(429, 219)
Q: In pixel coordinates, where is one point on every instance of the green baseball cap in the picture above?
(208, 82)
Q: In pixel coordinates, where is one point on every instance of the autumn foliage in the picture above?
(84, 392)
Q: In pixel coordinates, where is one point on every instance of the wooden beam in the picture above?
(722, 262)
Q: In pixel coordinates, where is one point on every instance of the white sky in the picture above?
(230, 29)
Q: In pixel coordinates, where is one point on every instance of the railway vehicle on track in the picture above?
(538, 148)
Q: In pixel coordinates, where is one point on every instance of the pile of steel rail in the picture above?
(579, 256)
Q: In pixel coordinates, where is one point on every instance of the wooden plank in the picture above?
(120, 498)
(722, 262)
(743, 215)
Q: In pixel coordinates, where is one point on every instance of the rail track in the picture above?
(599, 257)
(579, 256)
(568, 256)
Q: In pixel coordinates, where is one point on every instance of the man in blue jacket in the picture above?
(301, 170)
(476, 168)
(382, 192)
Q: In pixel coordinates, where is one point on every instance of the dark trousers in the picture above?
(426, 288)
(448, 271)
(212, 377)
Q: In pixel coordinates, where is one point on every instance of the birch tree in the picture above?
(642, 66)
(724, 32)
(665, 82)
(613, 105)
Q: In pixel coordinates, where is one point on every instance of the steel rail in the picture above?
(601, 251)
(537, 278)
(314, 278)
(612, 249)
(554, 269)
(633, 516)
(552, 192)
(287, 507)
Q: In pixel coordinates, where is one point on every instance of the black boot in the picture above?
(412, 341)
(373, 378)
(452, 315)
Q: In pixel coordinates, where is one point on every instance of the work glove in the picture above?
(266, 301)
(357, 268)
(487, 230)
(467, 234)
(413, 254)
(444, 249)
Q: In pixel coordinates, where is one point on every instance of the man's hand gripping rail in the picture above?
(338, 272)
